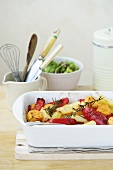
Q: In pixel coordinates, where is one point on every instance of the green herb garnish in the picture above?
(51, 110)
(89, 104)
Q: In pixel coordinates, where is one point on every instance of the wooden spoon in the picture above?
(31, 50)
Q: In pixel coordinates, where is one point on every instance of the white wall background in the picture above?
(77, 20)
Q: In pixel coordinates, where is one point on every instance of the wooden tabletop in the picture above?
(8, 129)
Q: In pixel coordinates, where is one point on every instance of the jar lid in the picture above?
(103, 37)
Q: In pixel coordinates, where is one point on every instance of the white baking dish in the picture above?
(62, 135)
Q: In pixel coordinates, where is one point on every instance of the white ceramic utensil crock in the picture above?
(15, 89)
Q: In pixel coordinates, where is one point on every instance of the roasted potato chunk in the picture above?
(34, 115)
(90, 99)
(56, 115)
(48, 105)
(67, 109)
(104, 108)
(92, 122)
(110, 121)
(79, 119)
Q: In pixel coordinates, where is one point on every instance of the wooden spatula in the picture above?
(31, 50)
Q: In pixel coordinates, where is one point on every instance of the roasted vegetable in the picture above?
(89, 111)
(60, 102)
(34, 115)
(56, 104)
(92, 114)
(66, 121)
(92, 122)
(39, 104)
(110, 121)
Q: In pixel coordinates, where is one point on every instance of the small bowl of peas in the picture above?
(63, 73)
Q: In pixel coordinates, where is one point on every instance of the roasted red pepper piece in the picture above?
(81, 100)
(66, 121)
(39, 104)
(108, 116)
(29, 108)
(92, 114)
(62, 102)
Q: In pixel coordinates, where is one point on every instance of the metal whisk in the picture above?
(11, 54)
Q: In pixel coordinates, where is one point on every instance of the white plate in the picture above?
(62, 135)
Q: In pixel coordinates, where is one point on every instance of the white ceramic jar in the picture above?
(103, 59)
